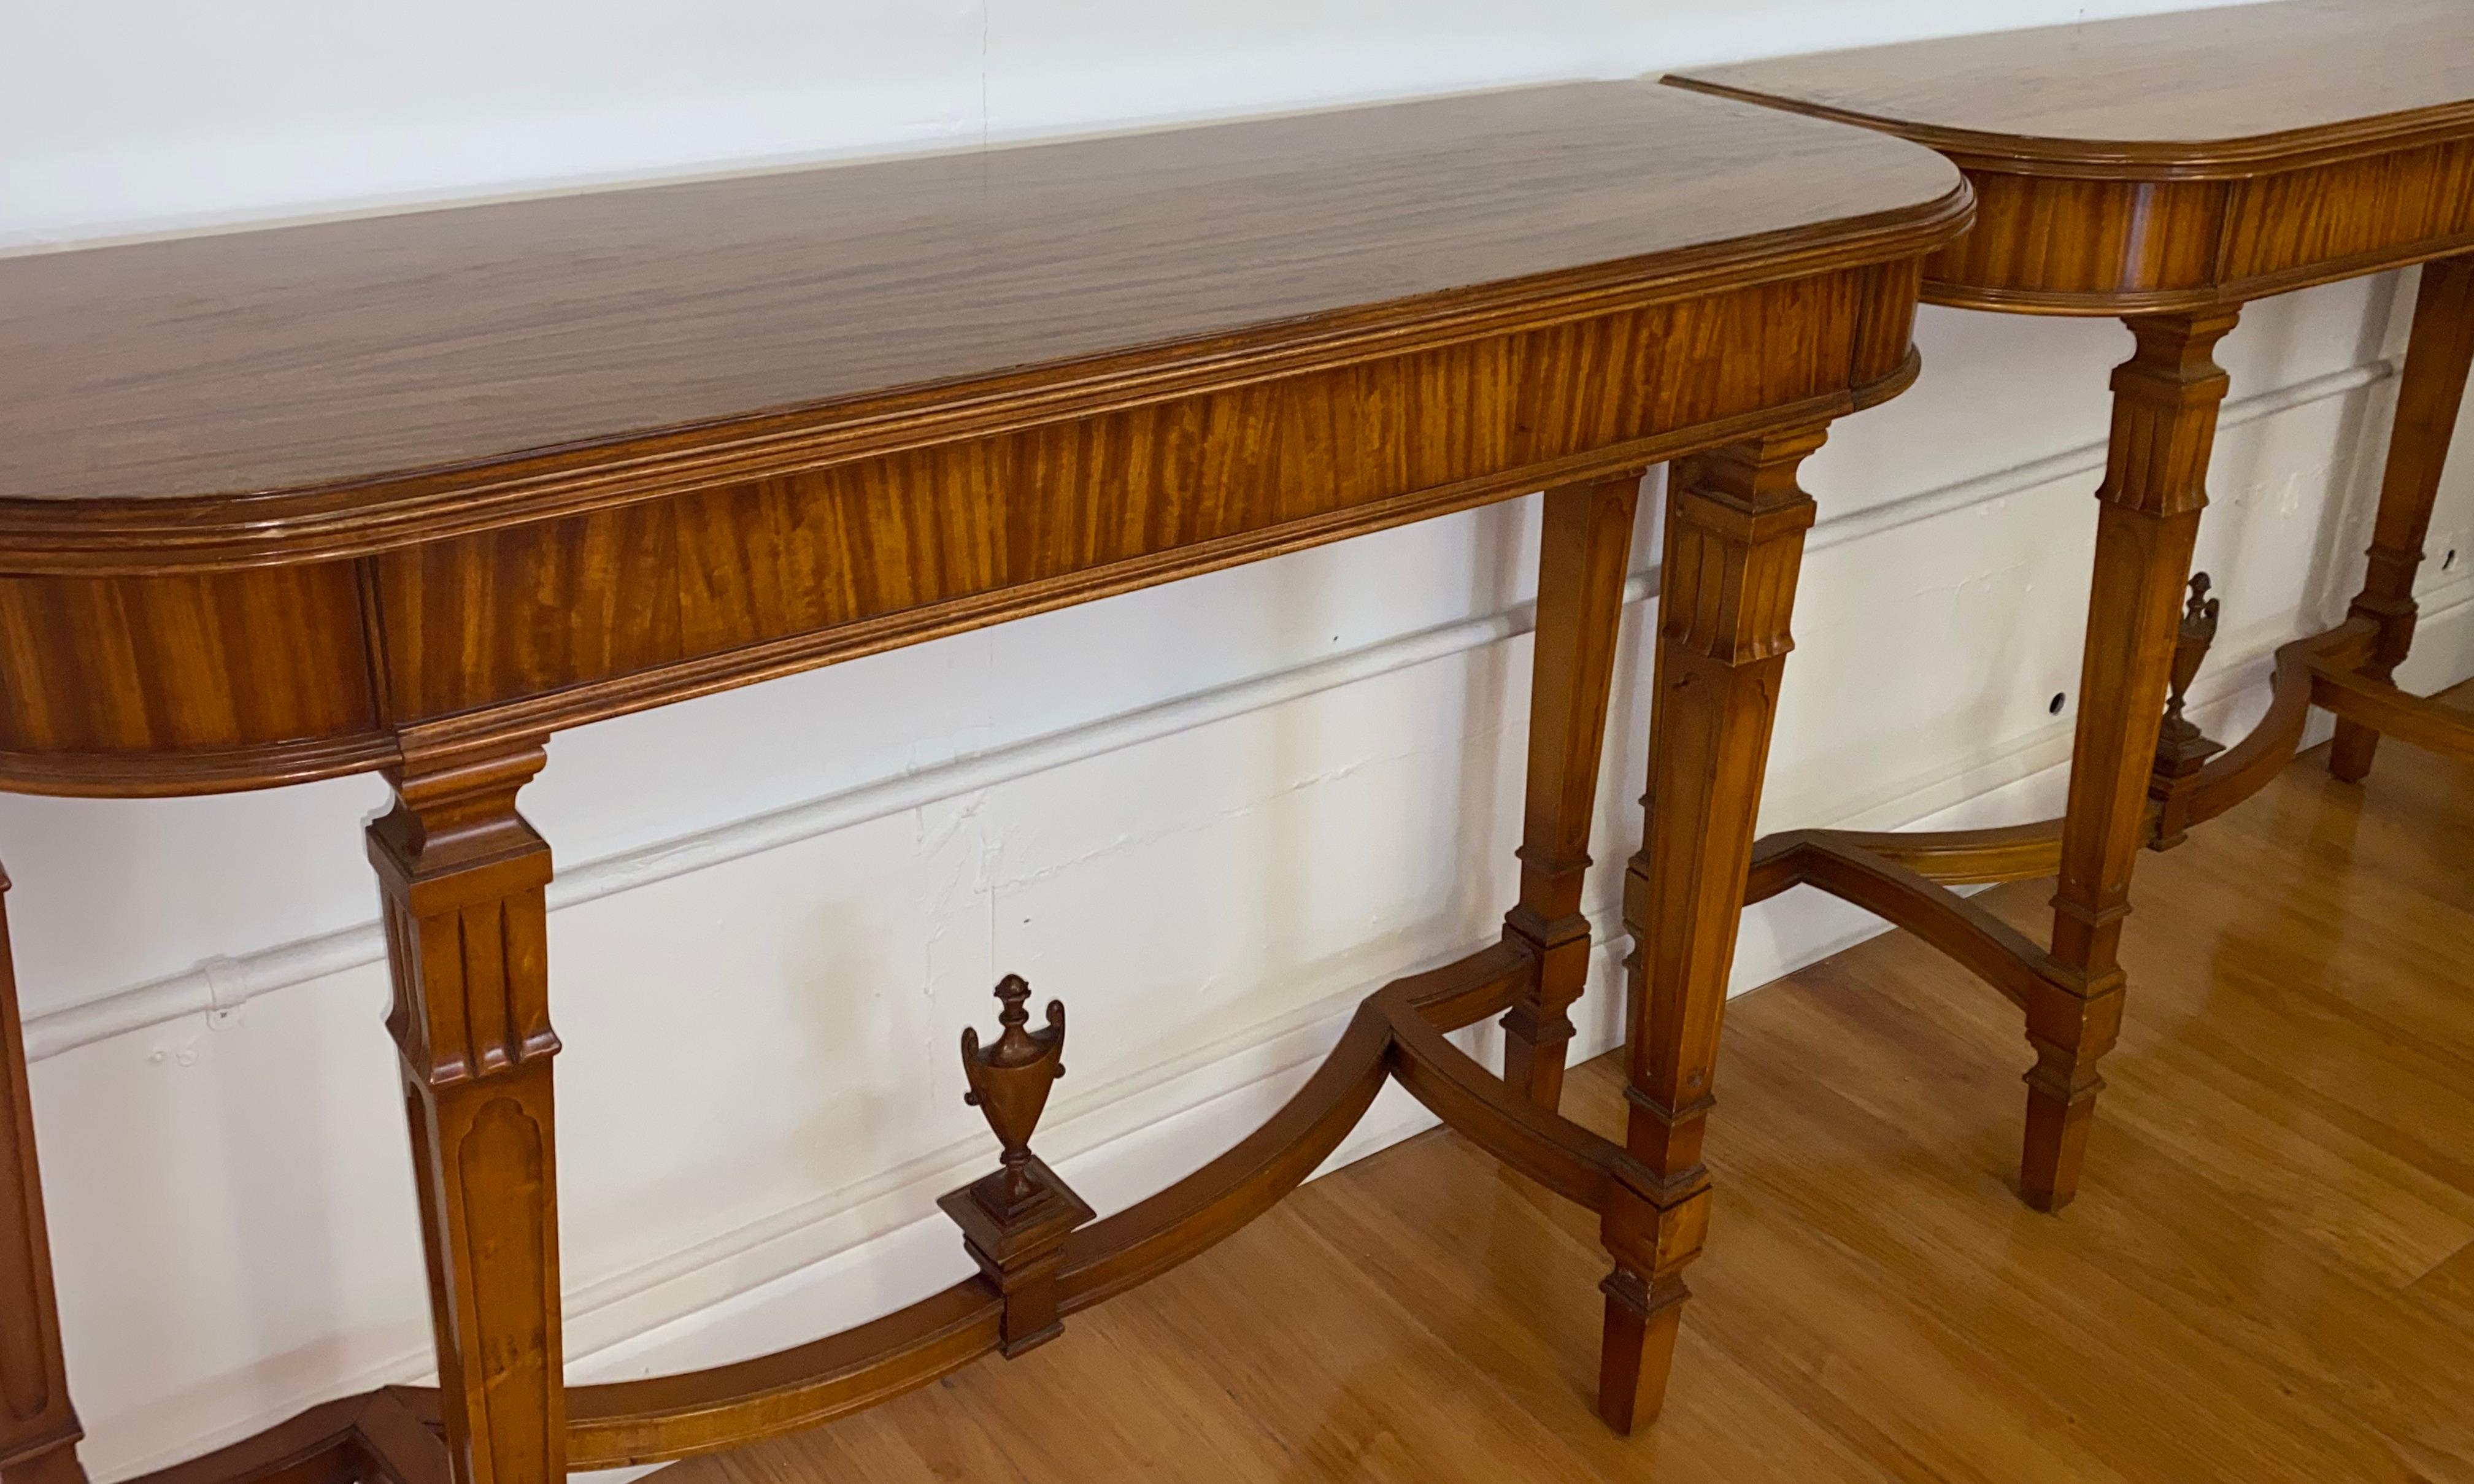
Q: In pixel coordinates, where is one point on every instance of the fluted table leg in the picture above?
(2428, 394)
(1735, 524)
(462, 877)
(1584, 547)
(2164, 401)
(38, 1428)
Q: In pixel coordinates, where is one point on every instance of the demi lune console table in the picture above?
(409, 494)
(2167, 170)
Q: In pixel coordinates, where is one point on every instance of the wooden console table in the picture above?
(2167, 170)
(409, 494)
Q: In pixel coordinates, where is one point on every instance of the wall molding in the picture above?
(219, 987)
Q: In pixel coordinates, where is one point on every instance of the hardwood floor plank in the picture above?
(1504, 1276)
(2047, 1304)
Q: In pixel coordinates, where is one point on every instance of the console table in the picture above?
(409, 494)
(2167, 170)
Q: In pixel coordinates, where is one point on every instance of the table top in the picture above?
(345, 355)
(2216, 90)
(286, 505)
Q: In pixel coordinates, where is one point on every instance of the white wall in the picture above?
(1209, 815)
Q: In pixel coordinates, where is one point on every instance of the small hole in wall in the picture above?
(2055, 706)
(2449, 560)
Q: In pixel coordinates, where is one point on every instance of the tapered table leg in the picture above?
(2436, 360)
(2164, 401)
(1735, 523)
(38, 1428)
(1584, 547)
(462, 877)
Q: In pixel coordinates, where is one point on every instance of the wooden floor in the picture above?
(2268, 1275)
